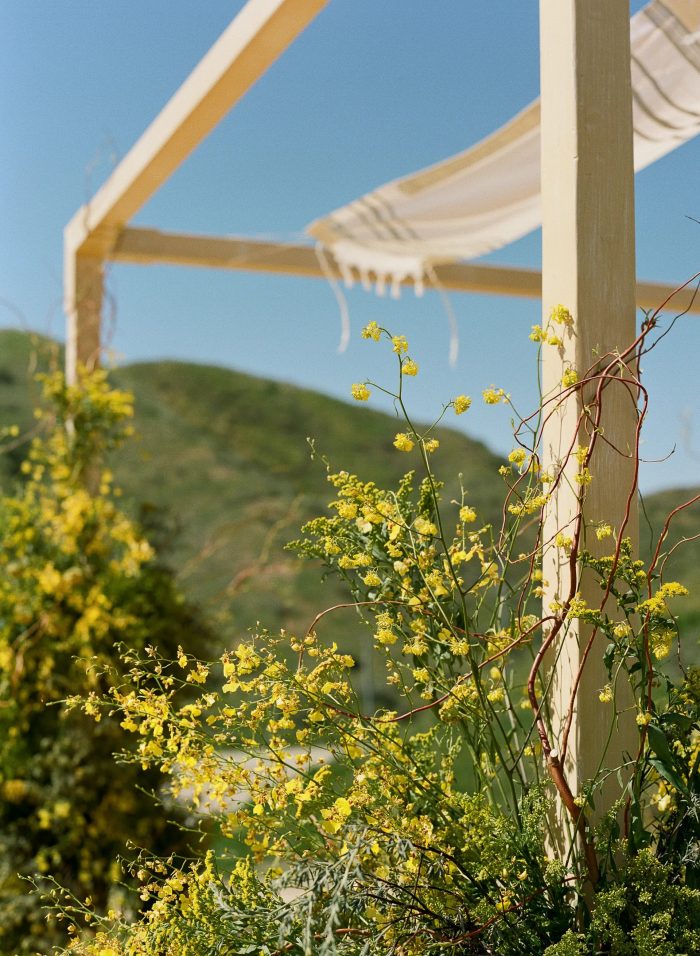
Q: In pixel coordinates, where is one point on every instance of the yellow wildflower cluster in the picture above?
(403, 442)
(493, 395)
(77, 576)
(561, 315)
(372, 331)
(570, 377)
(360, 392)
(528, 506)
(545, 335)
(656, 606)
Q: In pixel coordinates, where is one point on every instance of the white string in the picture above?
(449, 312)
(339, 297)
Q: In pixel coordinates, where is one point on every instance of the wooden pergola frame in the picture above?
(587, 191)
(99, 231)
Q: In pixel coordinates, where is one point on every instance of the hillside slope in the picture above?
(221, 466)
(224, 459)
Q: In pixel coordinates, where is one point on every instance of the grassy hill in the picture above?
(223, 457)
(221, 466)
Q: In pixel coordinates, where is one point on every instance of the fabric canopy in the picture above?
(489, 195)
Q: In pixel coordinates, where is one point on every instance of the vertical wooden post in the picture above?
(588, 267)
(83, 292)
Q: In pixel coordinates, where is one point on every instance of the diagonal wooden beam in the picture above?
(141, 246)
(243, 53)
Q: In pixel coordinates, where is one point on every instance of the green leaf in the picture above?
(664, 761)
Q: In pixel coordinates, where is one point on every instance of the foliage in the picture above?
(645, 911)
(76, 576)
(451, 820)
(450, 823)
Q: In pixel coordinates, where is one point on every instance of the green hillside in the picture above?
(221, 468)
(221, 459)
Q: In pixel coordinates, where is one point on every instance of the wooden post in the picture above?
(83, 289)
(589, 267)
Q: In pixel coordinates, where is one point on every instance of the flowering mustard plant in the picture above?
(77, 575)
(426, 824)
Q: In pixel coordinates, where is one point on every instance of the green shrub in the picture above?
(448, 822)
(76, 576)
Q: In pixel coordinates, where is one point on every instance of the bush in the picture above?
(76, 576)
(450, 823)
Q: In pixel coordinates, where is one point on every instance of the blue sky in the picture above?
(369, 92)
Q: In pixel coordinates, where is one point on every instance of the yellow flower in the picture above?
(386, 636)
(569, 378)
(335, 816)
(606, 694)
(61, 809)
(423, 526)
(672, 589)
(15, 790)
(622, 630)
(409, 367)
(403, 442)
(603, 531)
(461, 404)
(538, 334)
(529, 506)
(467, 514)
(517, 456)
(661, 643)
(493, 395)
(399, 343)
(561, 315)
(360, 392)
(372, 331)
(431, 445)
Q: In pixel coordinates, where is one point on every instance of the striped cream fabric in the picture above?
(488, 196)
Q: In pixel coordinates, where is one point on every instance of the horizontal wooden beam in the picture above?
(152, 247)
(246, 49)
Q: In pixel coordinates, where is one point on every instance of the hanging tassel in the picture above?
(346, 273)
(339, 297)
(449, 312)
